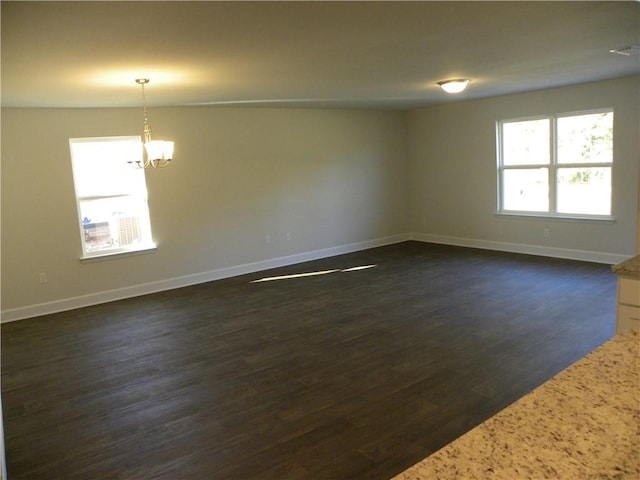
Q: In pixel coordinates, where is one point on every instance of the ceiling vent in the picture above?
(626, 51)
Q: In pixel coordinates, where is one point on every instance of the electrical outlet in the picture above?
(288, 236)
(267, 239)
(545, 233)
(43, 277)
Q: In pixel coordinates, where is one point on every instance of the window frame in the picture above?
(552, 168)
(119, 251)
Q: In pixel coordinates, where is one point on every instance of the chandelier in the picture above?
(156, 153)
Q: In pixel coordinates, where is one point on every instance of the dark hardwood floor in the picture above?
(346, 375)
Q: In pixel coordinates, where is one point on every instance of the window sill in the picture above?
(99, 257)
(543, 216)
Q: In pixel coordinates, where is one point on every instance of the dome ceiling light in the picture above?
(454, 86)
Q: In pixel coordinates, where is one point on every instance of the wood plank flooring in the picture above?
(345, 375)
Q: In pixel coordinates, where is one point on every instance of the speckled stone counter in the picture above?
(582, 424)
(628, 268)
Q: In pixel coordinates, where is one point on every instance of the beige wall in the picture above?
(328, 177)
(333, 179)
(452, 154)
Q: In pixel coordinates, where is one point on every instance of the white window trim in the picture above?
(553, 168)
(99, 257)
(559, 217)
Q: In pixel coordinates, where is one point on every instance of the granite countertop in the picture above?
(630, 267)
(584, 423)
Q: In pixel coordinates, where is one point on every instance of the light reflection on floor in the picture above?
(313, 274)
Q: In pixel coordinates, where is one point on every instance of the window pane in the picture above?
(586, 138)
(526, 189)
(584, 190)
(526, 143)
(101, 167)
(115, 222)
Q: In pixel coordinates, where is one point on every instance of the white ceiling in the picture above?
(357, 54)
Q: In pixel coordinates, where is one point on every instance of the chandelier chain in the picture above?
(147, 127)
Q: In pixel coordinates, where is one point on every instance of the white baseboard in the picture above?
(71, 303)
(570, 254)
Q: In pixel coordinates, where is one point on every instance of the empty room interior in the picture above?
(320, 240)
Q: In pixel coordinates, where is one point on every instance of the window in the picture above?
(556, 165)
(111, 195)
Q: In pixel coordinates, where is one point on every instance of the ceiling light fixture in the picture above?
(454, 86)
(157, 153)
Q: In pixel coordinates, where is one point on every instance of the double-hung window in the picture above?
(111, 195)
(556, 165)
